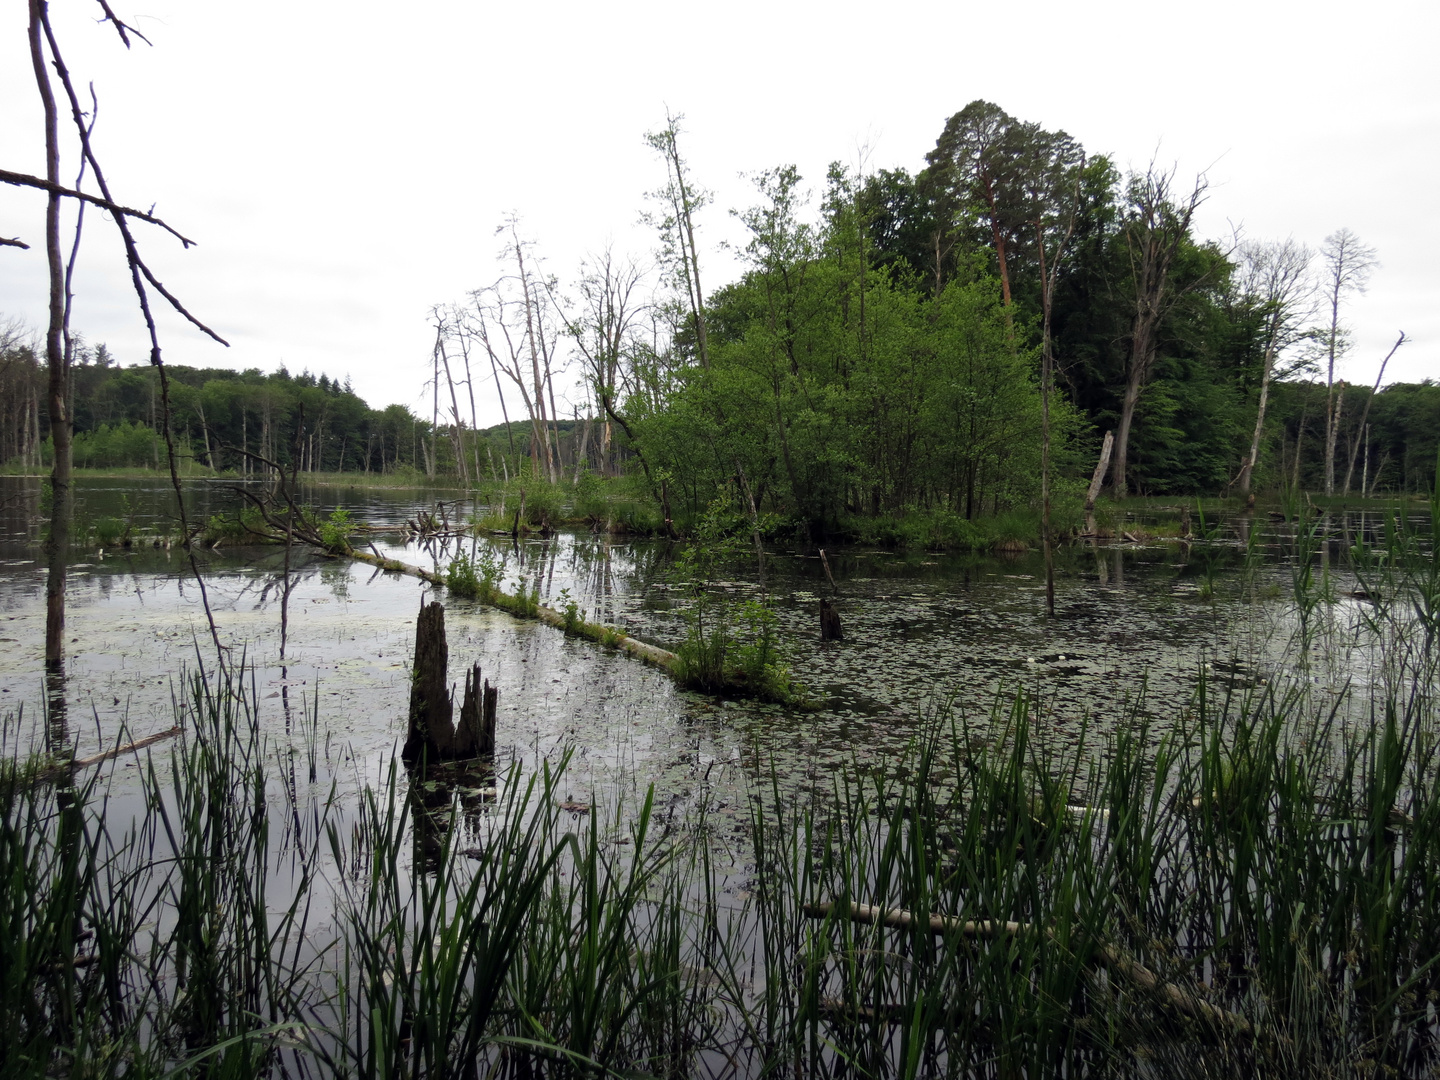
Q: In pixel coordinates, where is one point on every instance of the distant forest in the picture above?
(235, 421)
(881, 351)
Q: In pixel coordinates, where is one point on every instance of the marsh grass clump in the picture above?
(1259, 881)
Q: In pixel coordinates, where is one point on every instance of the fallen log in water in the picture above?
(603, 635)
(138, 744)
(1108, 956)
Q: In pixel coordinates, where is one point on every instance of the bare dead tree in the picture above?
(513, 320)
(602, 325)
(457, 326)
(1365, 416)
(443, 332)
(1348, 265)
(1275, 277)
(45, 54)
(1157, 227)
(676, 225)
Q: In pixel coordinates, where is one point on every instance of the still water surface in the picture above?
(1130, 639)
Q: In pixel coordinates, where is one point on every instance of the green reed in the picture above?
(1269, 859)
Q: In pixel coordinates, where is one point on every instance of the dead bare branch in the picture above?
(26, 180)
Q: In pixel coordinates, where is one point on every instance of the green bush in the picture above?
(461, 578)
(335, 533)
(113, 446)
(570, 611)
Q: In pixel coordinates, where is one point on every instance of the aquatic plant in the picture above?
(570, 611)
(461, 577)
(727, 648)
(334, 533)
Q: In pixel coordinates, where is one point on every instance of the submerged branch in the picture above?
(1104, 954)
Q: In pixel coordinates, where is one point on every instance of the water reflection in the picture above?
(1134, 630)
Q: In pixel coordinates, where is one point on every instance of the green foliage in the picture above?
(727, 648)
(248, 526)
(335, 532)
(570, 612)
(124, 444)
(461, 577)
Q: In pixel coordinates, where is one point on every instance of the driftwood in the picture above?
(433, 734)
(830, 629)
(640, 650)
(138, 744)
(1108, 956)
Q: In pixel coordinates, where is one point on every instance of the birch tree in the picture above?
(1275, 278)
(1348, 265)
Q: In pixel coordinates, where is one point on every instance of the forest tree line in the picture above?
(882, 347)
(880, 351)
(231, 421)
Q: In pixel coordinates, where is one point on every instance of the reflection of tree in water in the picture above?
(449, 800)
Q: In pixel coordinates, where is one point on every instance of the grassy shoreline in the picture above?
(623, 507)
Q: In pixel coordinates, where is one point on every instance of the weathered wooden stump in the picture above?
(830, 623)
(475, 734)
(433, 735)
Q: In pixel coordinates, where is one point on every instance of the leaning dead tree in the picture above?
(1360, 429)
(46, 56)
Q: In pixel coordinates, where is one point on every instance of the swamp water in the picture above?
(926, 635)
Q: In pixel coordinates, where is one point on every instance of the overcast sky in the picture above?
(344, 166)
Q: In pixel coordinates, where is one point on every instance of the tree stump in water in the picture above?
(433, 734)
(475, 734)
(830, 623)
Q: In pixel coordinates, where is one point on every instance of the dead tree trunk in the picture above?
(431, 709)
(830, 629)
(1365, 417)
(1097, 481)
(433, 735)
(475, 734)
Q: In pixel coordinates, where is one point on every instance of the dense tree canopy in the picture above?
(879, 353)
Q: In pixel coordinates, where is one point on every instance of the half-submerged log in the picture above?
(830, 623)
(433, 735)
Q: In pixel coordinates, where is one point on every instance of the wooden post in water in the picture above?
(475, 734)
(830, 623)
